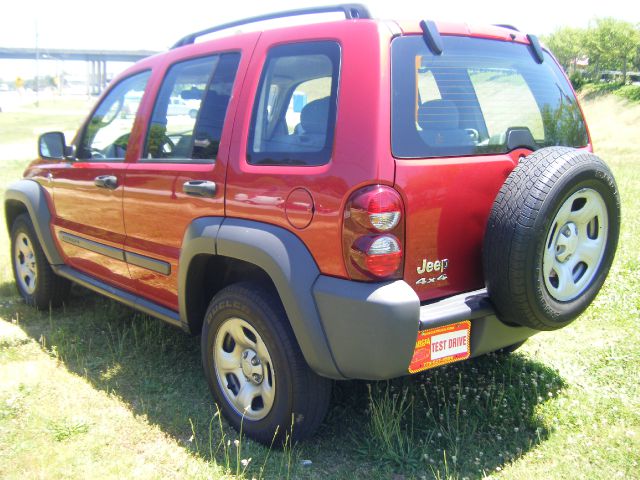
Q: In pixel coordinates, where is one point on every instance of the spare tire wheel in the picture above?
(551, 237)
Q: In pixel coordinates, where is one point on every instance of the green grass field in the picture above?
(98, 390)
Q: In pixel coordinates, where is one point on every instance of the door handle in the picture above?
(199, 188)
(106, 181)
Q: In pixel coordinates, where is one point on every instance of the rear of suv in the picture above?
(352, 199)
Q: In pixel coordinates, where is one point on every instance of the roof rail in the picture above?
(350, 10)
(504, 25)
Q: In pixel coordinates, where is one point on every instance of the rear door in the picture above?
(180, 174)
(304, 135)
(460, 123)
(87, 192)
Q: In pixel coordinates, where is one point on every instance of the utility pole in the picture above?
(37, 85)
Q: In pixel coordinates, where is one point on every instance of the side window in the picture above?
(107, 134)
(188, 117)
(294, 114)
(213, 110)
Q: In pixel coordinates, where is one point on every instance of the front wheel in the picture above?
(255, 369)
(36, 282)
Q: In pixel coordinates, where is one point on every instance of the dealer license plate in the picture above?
(441, 345)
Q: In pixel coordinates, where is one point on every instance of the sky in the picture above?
(156, 25)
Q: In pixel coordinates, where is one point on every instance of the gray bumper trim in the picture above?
(372, 328)
(465, 306)
(488, 333)
(33, 197)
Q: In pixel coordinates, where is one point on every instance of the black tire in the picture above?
(524, 225)
(301, 397)
(42, 288)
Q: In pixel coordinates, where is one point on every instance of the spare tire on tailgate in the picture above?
(551, 237)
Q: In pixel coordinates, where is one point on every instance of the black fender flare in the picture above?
(287, 261)
(31, 194)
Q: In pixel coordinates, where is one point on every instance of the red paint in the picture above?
(259, 192)
(156, 215)
(448, 223)
(156, 210)
(82, 209)
(492, 32)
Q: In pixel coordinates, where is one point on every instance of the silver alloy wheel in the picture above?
(575, 245)
(24, 259)
(244, 369)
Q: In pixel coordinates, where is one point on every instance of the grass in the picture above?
(25, 124)
(628, 92)
(96, 389)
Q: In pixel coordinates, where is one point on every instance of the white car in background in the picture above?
(178, 106)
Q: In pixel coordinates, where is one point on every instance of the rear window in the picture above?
(479, 97)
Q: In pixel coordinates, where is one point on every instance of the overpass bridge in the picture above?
(96, 60)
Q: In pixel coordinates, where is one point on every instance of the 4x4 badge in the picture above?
(426, 281)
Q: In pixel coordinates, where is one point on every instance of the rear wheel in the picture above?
(255, 369)
(244, 369)
(36, 282)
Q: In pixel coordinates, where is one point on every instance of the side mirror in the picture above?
(52, 145)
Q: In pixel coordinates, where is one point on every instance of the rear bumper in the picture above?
(372, 328)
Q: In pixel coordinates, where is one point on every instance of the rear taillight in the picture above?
(373, 234)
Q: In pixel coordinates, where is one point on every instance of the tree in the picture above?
(567, 44)
(612, 44)
(636, 60)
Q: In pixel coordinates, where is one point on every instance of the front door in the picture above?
(87, 192)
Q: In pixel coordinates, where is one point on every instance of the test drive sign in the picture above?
(441, 345)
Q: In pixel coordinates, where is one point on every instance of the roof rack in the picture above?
(504, 25)
(350, 10)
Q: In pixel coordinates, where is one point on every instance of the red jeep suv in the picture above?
(347, 199)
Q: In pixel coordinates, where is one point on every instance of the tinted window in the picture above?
(208, 130)
(478, 97)
(107, 133)
(294, 115)
(190, 110)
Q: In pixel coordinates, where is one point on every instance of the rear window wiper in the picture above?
(431, 36)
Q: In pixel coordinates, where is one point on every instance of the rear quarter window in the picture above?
(479, 97)
(295, 110)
